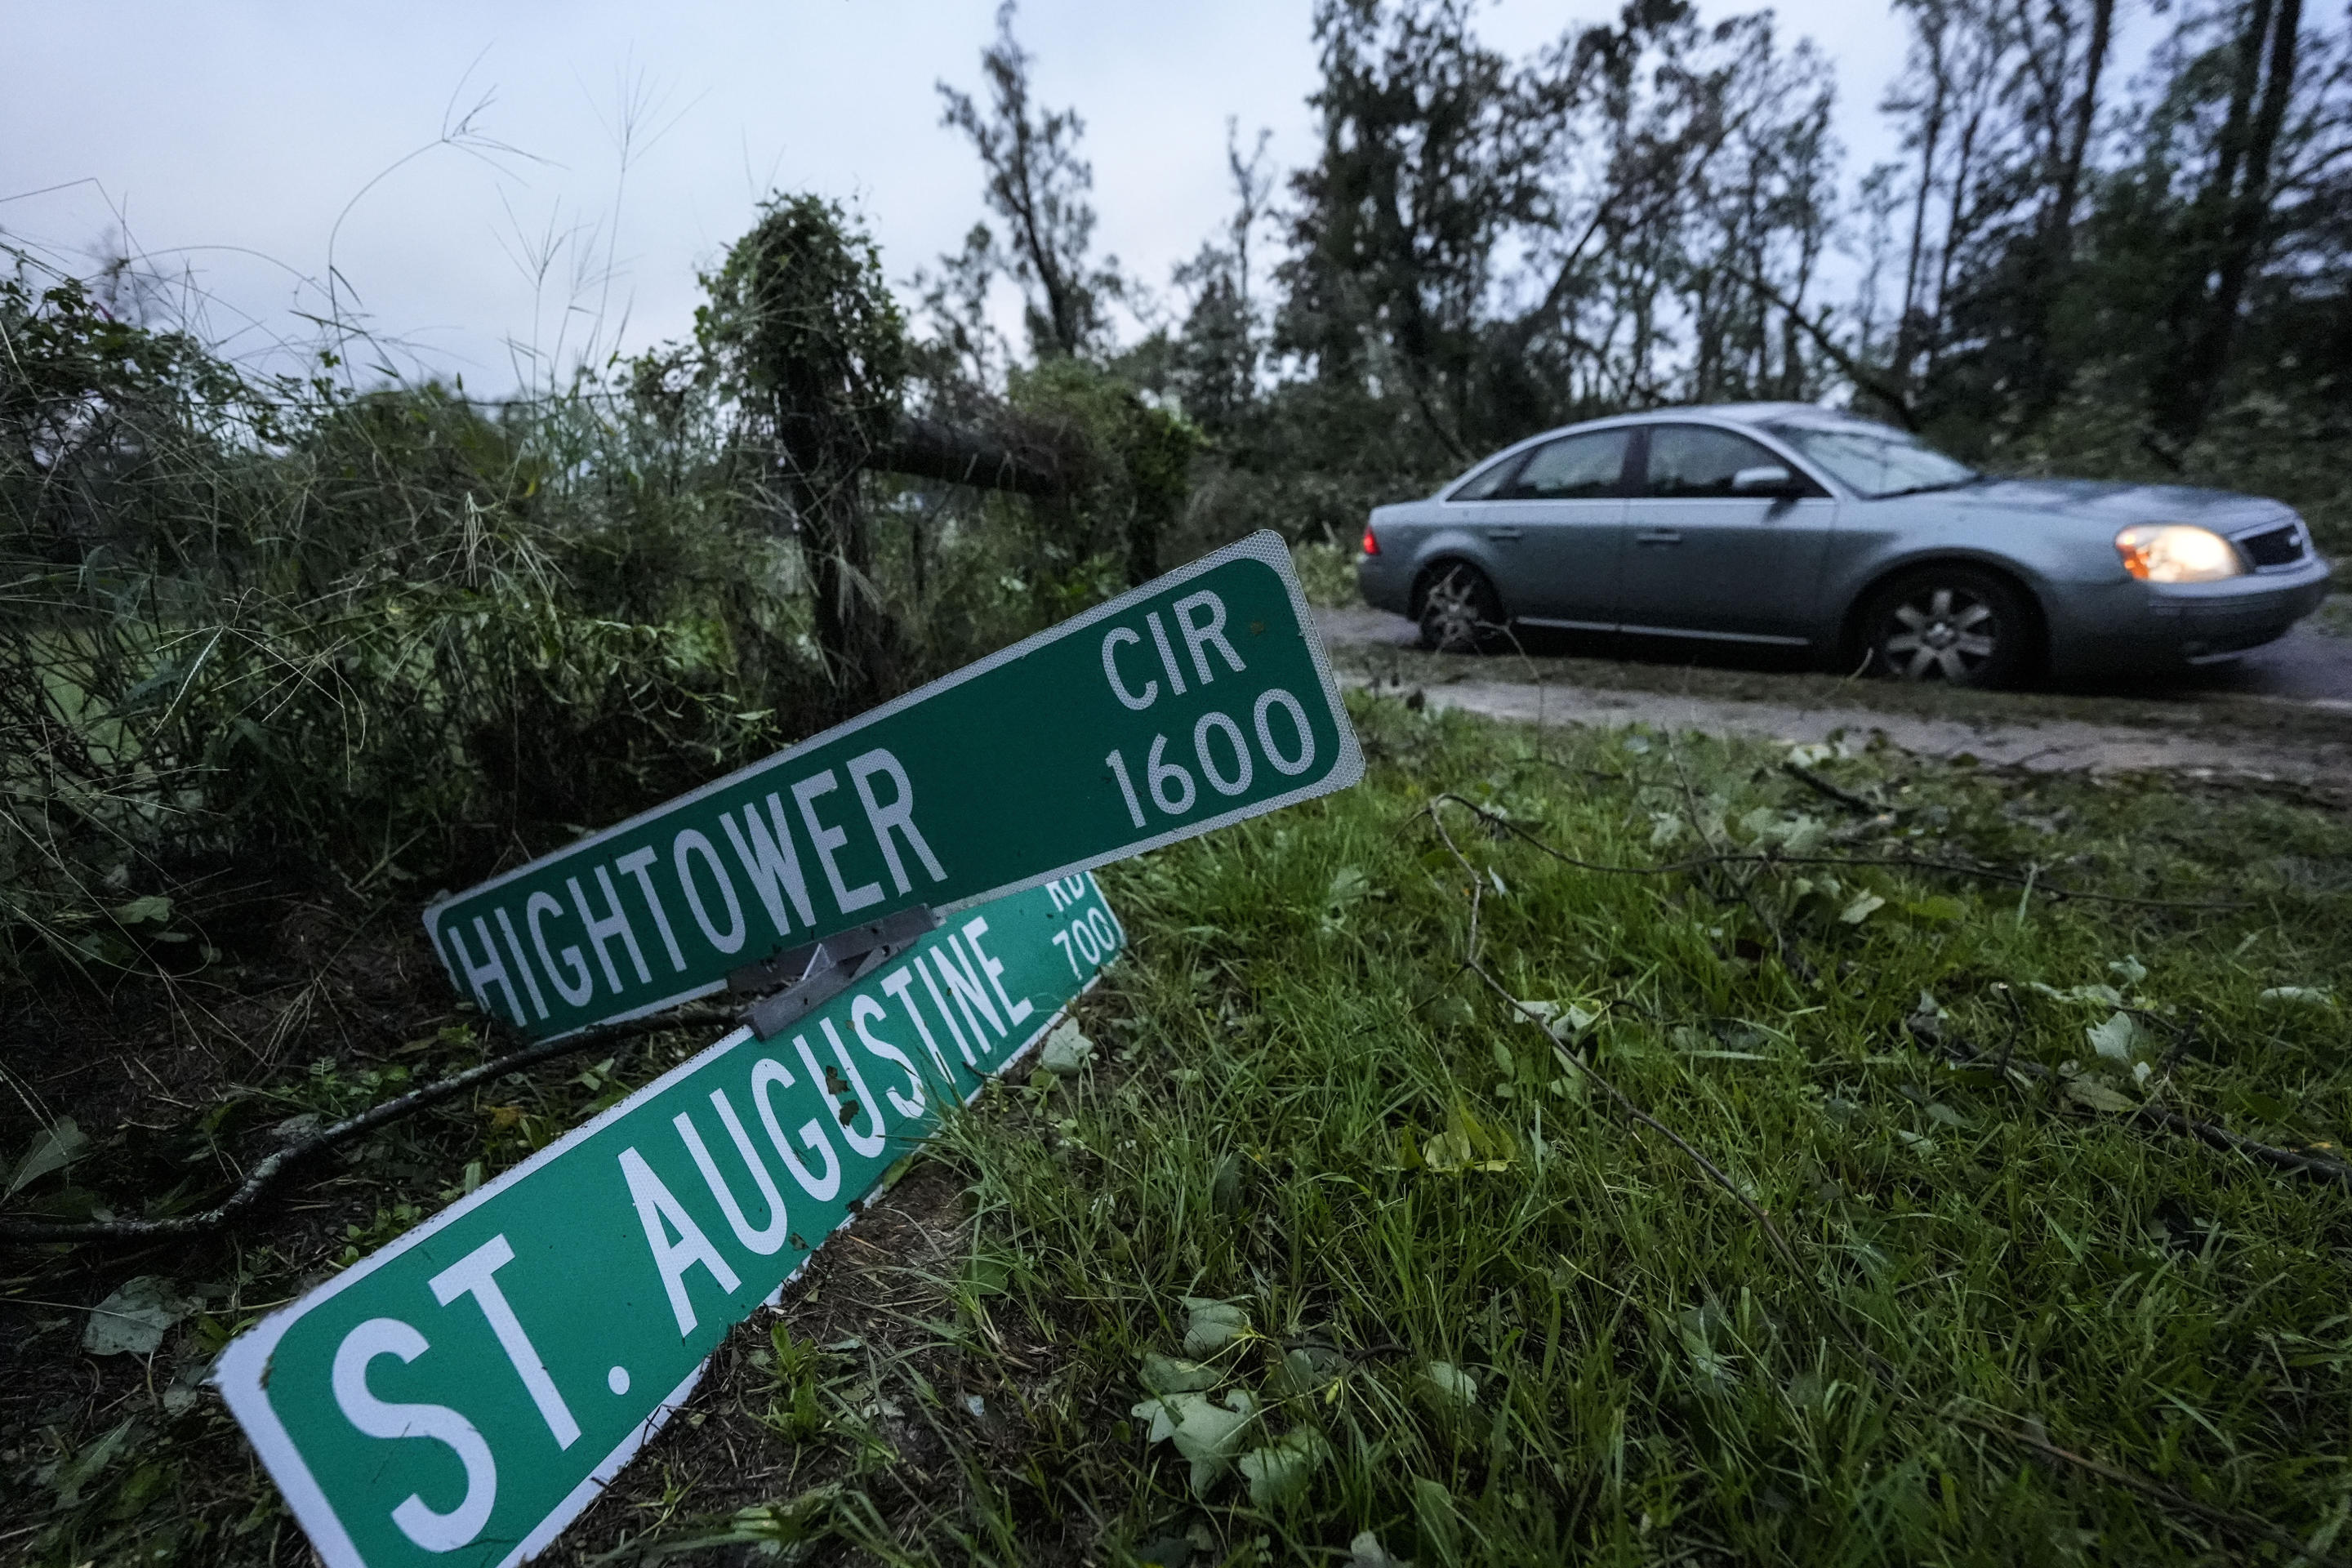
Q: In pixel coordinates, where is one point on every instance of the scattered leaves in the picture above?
(1452, 1382)
(1280, 1471)
(1210, 1326)
(53, 1148)
(1066, 1051)
(134, 1319)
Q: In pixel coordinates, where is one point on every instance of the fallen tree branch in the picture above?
(274, 1169)
(1838, 792)
(2220, 1137)
(1877, 385)
(2317, 1166)
(1768, 858)
(934, 449)
(2168, 1496)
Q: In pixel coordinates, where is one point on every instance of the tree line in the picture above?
(2064, 256)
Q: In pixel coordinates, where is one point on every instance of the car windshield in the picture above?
(1872, 460)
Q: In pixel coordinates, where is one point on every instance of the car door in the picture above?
(1705, 557)
(1560, 515)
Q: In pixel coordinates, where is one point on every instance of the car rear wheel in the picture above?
(1951, 624)
(1461, 611)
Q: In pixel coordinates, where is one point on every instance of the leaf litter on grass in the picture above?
(1662, 1383)
(1558, 1339)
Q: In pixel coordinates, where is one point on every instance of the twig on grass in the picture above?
(2032, 882)
(1880, 1368)
(2169, 1496)
(2317, 1166)
(1844, 796)
(279, 1165)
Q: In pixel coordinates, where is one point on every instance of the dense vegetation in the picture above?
(371, 635)
(2139, 276)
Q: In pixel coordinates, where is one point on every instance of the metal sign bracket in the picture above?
(794, 983)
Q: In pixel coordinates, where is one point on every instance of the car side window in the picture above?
(1574, 468)
(1488, 482)
(1691, 462)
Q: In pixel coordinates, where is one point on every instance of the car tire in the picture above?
(1460, 611)
(1953, 623)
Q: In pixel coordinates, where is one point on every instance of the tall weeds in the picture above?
(260, 631)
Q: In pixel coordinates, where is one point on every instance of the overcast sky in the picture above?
(251, 142)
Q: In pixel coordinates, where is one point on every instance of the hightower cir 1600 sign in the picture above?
(1196, 700)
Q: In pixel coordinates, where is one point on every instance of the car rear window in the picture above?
(1574, 467)
(1482, 485)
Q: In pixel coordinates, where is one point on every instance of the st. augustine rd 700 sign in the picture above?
(1198, 699)
(459, 1397)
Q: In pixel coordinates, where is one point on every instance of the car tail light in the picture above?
(1371, 545)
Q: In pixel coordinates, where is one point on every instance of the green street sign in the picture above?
(1194, 701)
(459, 1397)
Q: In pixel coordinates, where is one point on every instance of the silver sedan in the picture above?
(1788, 525)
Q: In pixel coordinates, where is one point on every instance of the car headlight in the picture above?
(2177, 552)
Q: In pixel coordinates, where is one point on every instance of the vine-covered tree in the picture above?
(810, 345)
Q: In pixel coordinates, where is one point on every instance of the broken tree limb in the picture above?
(934, 449)
(1877, 385)
(2029, 879)
(2171, 1496)
(2317, 1166)
(1844, 796)
(276, 1167)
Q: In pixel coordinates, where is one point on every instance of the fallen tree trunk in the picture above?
(934, 449)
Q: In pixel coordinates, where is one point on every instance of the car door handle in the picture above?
(1658, 536)
(1502, 533)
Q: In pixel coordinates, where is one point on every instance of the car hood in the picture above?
(2114, 506)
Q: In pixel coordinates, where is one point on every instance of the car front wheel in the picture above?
(1951, 624)
(1461, 611)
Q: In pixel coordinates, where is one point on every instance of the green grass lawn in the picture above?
(1761, 1209)
(1340, 1252)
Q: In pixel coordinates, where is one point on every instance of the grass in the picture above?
(1478, 1313)
(1382, 1271)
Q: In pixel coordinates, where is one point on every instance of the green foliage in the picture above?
(804, 333)
(388, 637)
(2277, 442)
(1327, 572)
(798, 1367)
(2071, 266)
(396, 638)
(806, 344)
(1132, 461)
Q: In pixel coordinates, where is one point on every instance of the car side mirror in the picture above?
(1764, 479)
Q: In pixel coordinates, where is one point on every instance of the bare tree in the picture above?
(2226, 226)
(1040, 186)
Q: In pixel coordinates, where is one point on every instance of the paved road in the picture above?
(2307, 665)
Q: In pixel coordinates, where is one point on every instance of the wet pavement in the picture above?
(2309, 665)
(2159, 723)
